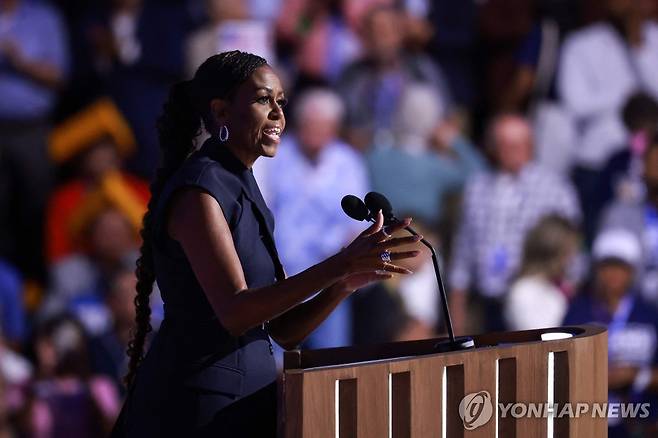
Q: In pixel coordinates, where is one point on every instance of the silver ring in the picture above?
(385, 256)
(385, 233)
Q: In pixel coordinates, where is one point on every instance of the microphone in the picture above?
(376, 201)
(355, 208)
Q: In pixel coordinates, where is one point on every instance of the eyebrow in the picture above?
(268, 89)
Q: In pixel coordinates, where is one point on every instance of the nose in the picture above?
(277, 112)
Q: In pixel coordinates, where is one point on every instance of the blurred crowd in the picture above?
(521, 136)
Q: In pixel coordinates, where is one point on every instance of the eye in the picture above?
(282, 102)
(263, 100)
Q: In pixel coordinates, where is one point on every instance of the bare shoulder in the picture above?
(193, 209)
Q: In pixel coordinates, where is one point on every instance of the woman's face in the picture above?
(255, 116)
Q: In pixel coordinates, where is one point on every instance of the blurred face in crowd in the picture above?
(111, 237)
(613, 278)
(318, 119)
(511, 139)
(384, 35)
(120, 298)
(99, 159)
(254, 116)
(61, 350)
(46, 356)
(315, 132)
(557, 269)
(651, 173)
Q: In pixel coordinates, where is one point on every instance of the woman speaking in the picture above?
(207, 241)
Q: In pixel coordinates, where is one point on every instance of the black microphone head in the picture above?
(354, 208)
(375, 202)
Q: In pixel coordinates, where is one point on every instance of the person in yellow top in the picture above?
(94, 142)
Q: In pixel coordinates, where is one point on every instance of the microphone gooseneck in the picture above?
(376, 201)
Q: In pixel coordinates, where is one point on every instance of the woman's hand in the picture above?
(366, 254)
(360, 280)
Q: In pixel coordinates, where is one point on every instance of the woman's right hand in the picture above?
(364, 254)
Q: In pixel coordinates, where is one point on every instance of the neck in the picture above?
(241, 154)
(631, 29)
(388, 63)
(130, 8)
(123, 331)
(653, 200)
(311, 154)
(413, 143)
(611, 301)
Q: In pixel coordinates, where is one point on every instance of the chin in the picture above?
(269, 151)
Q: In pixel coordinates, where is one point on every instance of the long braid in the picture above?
(178, 126)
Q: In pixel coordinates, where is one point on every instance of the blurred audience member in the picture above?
(108, 350)
(503, 24)
(537, 56)
(641, 218)
(378, 314)
(94, 141)
(66, 400)
(80, 281)
(373, 86)
(304, 186)
(33, 66)
(137, 46)
(454, 45)
(15, 375)
(499, 208)
(429, 159)
(533, 85)
(229, 28)
(6, 429)
(539, 295)
(632, 326)
(602, 65)
(12, 313)
(319, 40)
(622, 177)
(403, 308)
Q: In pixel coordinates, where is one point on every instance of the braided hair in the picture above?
(178, 126)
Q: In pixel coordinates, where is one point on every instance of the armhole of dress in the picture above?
(166, 207)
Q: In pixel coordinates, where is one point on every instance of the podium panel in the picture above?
(510, 385)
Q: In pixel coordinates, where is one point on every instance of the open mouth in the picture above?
(273, 133)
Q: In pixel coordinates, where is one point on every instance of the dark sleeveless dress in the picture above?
(197, 379)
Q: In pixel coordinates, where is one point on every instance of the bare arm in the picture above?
(291, 328)
(43, 72)
(198, 224)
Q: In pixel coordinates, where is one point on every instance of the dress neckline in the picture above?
(223, 155)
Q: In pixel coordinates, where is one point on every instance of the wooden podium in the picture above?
(407, 390)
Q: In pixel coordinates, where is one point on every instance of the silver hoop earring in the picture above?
(223, 133)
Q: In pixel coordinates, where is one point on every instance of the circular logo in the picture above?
(476, 409)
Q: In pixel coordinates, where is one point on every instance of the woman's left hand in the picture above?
(360, 280)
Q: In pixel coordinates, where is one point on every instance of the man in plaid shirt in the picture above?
(500, 206)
